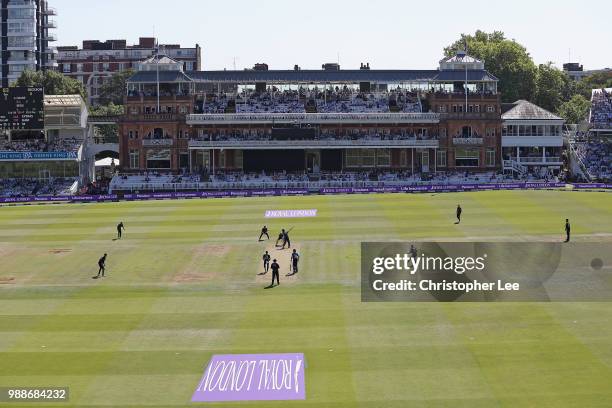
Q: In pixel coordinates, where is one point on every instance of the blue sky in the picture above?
(386, 33)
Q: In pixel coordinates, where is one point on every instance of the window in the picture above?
(66, 68)
(467, 157)
(158, 159)
(491, 157)
(403, 158)
(130, 135)
(134, 159)
(490, 108)
(491, 132)
(383, 157)
(238, 159)
(79, 67)
(441, 158)
(361, 158)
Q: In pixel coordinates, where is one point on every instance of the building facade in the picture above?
(532, 138)
(310, 121)
(26, 38)
(96, 61)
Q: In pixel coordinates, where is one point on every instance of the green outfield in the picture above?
(182, 285)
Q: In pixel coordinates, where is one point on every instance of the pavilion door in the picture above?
(313, 160)
(425, 162)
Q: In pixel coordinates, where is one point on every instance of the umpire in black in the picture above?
(275, 272)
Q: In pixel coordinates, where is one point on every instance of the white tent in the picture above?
(106, 162)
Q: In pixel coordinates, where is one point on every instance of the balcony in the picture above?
(50, 24)
(471, 116)
(155, 117)
(50, 11)
(157, 142)
(468, 141)
(312, 118)
(539, 161)
(532, 141)
(315, 144)
(23, 61)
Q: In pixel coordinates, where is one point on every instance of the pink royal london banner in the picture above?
(252, 377)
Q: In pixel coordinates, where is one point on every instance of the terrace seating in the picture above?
(596, 156)
(380, 178)
(312, 101)
(35, 187)
(601, 108)
(40, 145)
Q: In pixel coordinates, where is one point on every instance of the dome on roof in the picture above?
(460, 61)
(161, 62)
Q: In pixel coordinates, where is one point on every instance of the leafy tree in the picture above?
(575, 110)
(54, 83)
(113, 90)
(508, 60)
(552, 87)
(597, 81)
(110, 133)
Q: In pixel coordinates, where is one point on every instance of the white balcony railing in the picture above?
(468, 141)
(320, 144)
(196, 119)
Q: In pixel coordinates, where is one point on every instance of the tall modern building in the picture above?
(26, 38)
(97, 60)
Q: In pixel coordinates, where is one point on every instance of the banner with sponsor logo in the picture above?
(37, 156)
(304, 191)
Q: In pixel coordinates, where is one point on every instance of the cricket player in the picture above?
(286, 240)
(568, 230)
(264, 231)
(281, 237)
(295, 258)
(275, 272)
(266, 262)
(102, 264)
(459, 212)
(120, 229)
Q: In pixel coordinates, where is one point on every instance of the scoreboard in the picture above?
(21, 108)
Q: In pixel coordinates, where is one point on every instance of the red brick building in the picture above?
(95, 61)
(418, 121)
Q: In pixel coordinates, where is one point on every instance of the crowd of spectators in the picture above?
(596, 157)
(316, 100)
(346, 134)
(601, 108)
(35, 187)
(40, 145)
(239, 180)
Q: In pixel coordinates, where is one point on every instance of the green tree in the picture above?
(597, 81)
(552, 87)
(508, 60)
(114, 89)
(110, 133)
(54, 83)
(575, 110)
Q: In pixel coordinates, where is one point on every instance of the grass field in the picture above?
(182, 285)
